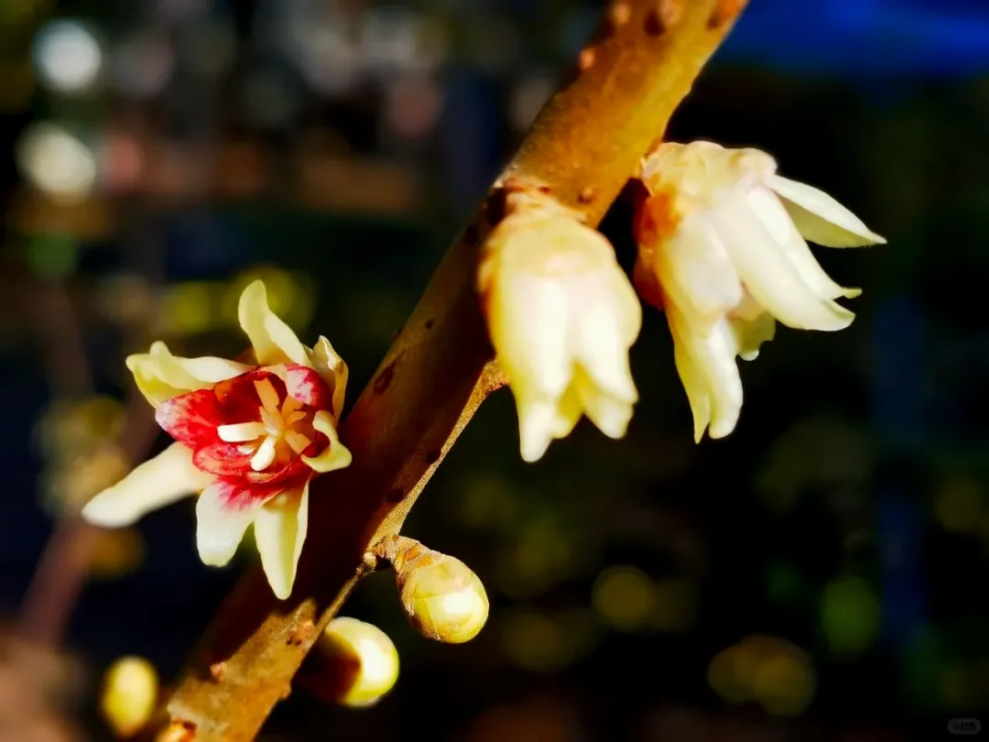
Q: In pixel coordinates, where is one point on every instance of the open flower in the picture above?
(722, 249)
(249, 438)
(562, 316)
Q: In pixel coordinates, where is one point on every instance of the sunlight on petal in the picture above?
(611, 414)
(334, 371)
(820, 218)
(220, 526)
(166, 478)
(336, 456)
(274, 341)
(280, 531)
(159, 375)
(780, 224)
(771, 277)
(527, 319)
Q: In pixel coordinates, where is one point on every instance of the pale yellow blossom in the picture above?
(722, 248)
(561, 316)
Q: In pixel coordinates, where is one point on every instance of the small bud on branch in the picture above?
(443, 599)
(357, 666)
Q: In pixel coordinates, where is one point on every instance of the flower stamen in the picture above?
(268, 395)
(297, 441)
(240, 432)
(275, 429)
(265, 455)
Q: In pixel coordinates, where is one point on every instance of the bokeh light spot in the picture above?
(190, 307)
(535, 642)
(958, 505)
(850, 615)
(625, 597)
(56, 163)
(67, 56)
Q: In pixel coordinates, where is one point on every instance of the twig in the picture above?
(583, 147)
(62, 569)
(57, 581)
(60, 572)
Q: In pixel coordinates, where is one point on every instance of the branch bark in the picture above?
(583, 147)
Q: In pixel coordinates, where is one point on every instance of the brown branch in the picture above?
(583, 147)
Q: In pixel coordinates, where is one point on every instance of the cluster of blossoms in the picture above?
(722, 248)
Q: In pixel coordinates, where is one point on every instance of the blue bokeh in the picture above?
(864, 37)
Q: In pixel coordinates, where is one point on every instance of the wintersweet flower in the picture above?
(722, 249)
(561, 316)
(249, 438)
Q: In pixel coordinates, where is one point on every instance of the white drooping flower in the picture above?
(562, 316)
(723, 249)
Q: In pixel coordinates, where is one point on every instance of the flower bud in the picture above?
(442, 597)
(130, 689)
(361, 664)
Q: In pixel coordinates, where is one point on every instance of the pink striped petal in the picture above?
(224, 459)
(305, 385)
(191, 418)
(237, 495)
(229, 461)
(237, 398)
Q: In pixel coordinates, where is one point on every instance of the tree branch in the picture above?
(583, 147)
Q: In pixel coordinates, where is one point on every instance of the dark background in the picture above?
(821, 574)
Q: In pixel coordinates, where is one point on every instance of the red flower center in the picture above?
(254, 427)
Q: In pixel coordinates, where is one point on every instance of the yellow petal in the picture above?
(274, 341)
(770, 276)
(538, 424)
(336, 455)
(780, 224)
(280, 531)
(166, 478)
(556, 300)
(750, 334)
(694, 384)
(527, 320)
(610, 413)
(602, 334)
(696, 272)
(160, 375)
(709, 371)
(820, 218)
(334, 371)
(219, 527)
(568, 412)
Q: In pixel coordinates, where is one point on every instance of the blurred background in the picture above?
(819, 575)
